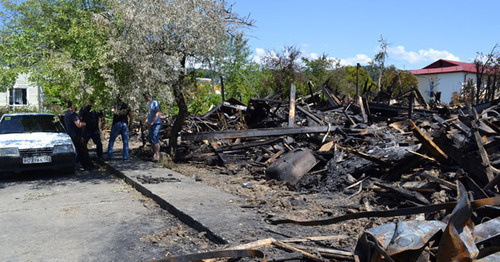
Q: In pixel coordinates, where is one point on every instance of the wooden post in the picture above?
(311, 85)
(357, 79)
(482, 152)
(411, 97)
(359, 99)
(291, 114)
(222, 88)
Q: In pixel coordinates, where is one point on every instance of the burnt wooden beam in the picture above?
(482, 152)
(494, 182)
(395, 110)
(359, 101)
(261, 132)
(420, 98)
(309, 114)
(407, 194)
(220, 154)
(250, 144)
(333, 99)
(427, 142)
(347, 116)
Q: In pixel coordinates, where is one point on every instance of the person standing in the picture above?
(74, 128)
(91, 130)
(154, 124)
(122, 118)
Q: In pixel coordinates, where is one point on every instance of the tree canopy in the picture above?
(57, 43)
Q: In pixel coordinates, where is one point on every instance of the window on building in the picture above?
(18, 96)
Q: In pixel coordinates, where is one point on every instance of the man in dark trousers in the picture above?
(91, 131)
(74, 128)
(122, 118)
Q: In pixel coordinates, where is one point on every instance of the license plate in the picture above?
(37, 159)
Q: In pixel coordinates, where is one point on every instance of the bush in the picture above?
(18, 109)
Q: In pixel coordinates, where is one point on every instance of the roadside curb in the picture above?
(185, 218)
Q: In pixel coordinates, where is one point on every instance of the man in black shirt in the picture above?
(121, 119)
(74, 128)
(91, 130)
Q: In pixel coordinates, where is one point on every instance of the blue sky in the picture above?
(419, 32)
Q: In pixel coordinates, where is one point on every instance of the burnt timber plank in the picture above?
(309, 114)
(261, 132)
(433, 149)
(334, 101)
(482, 152)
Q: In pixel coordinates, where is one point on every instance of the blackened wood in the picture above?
(334, 101)
(482, 152)
(410, 107)
(223, 159)
(433, 149)
(251, 144)
(262, 132)
(469, 163)
(309, 114)
(403, 166)
(407, 194)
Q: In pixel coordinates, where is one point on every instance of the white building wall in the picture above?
(444, 83)
(33, 95)
(4, 98)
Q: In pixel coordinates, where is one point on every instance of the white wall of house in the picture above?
(25, 94)
(444, 83)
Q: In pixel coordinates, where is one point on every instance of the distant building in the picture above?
(23, 93)
(208, 82)
(444, 77)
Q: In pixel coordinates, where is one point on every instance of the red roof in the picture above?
(446, 66)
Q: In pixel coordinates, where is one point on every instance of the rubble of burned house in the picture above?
(405, 150)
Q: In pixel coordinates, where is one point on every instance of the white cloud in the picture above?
(259, 53)
(311, 56)
(429, 55)
(359, 58)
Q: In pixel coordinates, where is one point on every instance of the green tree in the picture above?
(351, 77)
(57, 43)
(379, 61)
(235, 66)
(319, 70)
(157, 40)
(396, 80)
(285, 68)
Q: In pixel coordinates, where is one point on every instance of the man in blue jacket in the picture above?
(154, 124)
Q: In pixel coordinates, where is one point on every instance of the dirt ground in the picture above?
(272, 198)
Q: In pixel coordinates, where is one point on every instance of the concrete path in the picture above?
(200, 206)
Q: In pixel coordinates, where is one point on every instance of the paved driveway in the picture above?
(89, 216)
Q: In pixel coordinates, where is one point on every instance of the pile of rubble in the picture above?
(421, 160)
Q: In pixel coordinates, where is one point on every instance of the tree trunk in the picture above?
(493, 87)
(479, 81)
(379, 82)
(488, 89)
(183, 109)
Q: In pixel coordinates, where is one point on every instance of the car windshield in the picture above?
(30, 123)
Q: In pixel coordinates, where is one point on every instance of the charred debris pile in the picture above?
(324, 143)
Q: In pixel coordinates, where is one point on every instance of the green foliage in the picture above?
(319, 70)
(285, 69)
(202, 99)
(58, 44)
(17, 109)
(397, 80)
(351, 77)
